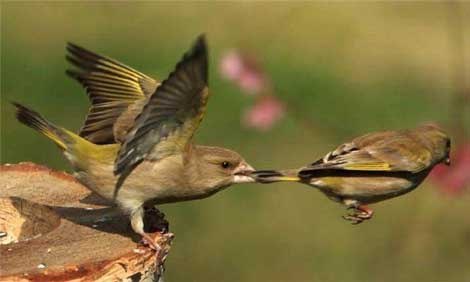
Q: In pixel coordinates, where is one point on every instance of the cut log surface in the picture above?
(53, 229)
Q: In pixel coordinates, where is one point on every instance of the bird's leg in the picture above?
(150, 238)
(360, 213)
(137, 223)
(365, 212)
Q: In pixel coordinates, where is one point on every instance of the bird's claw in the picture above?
(354, 219)
(158, 237)
(359, 215)
(148, 242)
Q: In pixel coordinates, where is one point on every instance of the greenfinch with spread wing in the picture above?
(371, 168)
(136, 147)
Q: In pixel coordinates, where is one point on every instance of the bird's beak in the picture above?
(242, 174)
(447, 161)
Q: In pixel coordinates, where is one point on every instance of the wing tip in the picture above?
(199, 52)
(73, 74)
(70, 46)
(201, 43)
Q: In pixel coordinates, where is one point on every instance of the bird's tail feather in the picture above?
(78, 150)
(34, 120)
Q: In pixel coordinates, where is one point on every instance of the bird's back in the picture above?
(387, 151)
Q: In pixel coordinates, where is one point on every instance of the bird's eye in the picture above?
(225, 164)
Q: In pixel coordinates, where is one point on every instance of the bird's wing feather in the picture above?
(172, 114)
(111, 87)
(386, 151)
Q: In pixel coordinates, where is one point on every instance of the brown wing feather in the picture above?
(172, 114)
(111, 87)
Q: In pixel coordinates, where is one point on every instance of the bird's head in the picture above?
(220, 167)
(438, 141)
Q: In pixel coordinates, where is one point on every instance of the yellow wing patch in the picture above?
(368, 166)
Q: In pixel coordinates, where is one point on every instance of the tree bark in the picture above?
(54, 229)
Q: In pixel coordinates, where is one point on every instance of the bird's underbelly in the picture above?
(156, 182)
(364, 189)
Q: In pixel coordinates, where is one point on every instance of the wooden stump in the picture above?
(53, 229)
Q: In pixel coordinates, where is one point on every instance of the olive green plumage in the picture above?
(371, 168)
(136, 145)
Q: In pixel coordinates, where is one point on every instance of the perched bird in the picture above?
(371, 168)
(138, 133)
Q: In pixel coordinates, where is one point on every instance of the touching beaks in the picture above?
(241, 174)
(243, 169)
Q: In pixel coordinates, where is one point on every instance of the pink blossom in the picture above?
(266, 112)
(247, 74)
(231, 65)
(455, 178)
(251, 81)
(244, 71)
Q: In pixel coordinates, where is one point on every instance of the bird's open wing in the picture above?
(394, 151)
(172, 114)
(111, 87)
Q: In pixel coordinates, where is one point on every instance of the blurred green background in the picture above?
(347, 69)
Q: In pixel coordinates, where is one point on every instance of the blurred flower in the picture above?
(264, 113)
(231, 65)
(455, 178)
(252, 82)
(248, 75)
(244, 71)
